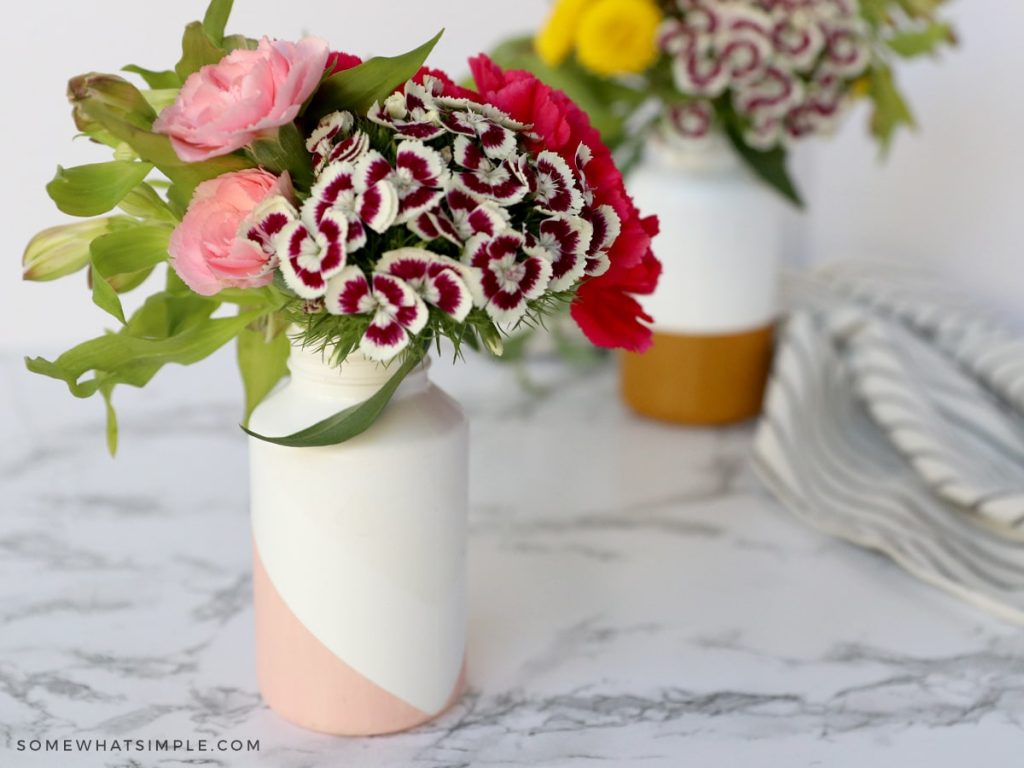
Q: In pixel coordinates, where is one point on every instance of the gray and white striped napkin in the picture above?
(895, 419)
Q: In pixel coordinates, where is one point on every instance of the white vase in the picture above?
(717, 300)
(359, 552)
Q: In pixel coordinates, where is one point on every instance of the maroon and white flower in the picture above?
(361, 192)
(497, 141)
(798, 38)
(846, 49)
(508, 277)
(773, 95)
(605, 230)
(334, 141)
(462, 216)
(420, 177)
(311, 250)
(438, 280)
(411, 112)
(563, 241)
(497, 180)
(553, 185)
(264, 224)
(396, 310)
(691, 121)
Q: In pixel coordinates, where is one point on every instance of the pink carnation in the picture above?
(217, 245)
(227, 105)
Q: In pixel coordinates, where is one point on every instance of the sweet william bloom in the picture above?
(223, 240)
(226, 105)
(618, 37)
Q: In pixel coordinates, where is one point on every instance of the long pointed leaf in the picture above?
(358, 88)
(345, 424)
(770, 165)
(216, 19)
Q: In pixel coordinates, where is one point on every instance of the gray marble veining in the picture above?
(636, 599)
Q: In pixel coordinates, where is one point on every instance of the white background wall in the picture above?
(952, 195)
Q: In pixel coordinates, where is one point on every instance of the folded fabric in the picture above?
(895, 419)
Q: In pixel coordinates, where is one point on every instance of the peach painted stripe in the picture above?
(305, 683)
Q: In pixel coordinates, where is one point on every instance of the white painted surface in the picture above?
(366, 541)
(721, 240)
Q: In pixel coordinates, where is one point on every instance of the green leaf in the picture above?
(348, 423)
(891, 111)
(107, 391)
(921, 41)
(122, 260)
(62, 250)
(284, 151)
(239, 42)
(89, 190)
(156, 149)
(130, 250)
(374, 80)
(769, 165)
(126, 359)
(197, 50)
(262, 362)
(157, 80)
(143, 202)
(104, 296)
(216, 19)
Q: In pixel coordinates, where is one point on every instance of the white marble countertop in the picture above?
(636, 599)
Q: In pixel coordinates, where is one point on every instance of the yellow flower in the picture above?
(618, 37)
(555, 41)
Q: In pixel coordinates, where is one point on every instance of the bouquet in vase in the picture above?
(761, 73)
(369, 207)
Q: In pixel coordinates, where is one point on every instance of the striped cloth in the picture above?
(895, 419)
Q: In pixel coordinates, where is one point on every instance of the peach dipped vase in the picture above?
(359, 552)
(716, 303)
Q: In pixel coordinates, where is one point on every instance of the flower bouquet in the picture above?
(760, 73)
(701, 98)
(349, 215)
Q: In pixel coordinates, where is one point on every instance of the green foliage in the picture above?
(128, 254)
(216, 19)
(374, 80)
(89, 190)
(197, 50)
(926, 40)
(262, 351)
(158, 80)
(284, 151)
(350, 422)
(769, 165)
(890, 111)
(62, 250)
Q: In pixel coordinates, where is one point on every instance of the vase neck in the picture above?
(711, 154)
(356, 376)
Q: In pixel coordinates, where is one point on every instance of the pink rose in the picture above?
(218, 244)
(227, 105)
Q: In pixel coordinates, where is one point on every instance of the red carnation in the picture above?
(339, 61)
(604, 308)
(449, 87)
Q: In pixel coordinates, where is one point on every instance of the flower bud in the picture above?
(59, 251)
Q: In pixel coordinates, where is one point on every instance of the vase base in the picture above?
(305, 683)
(700, 380)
